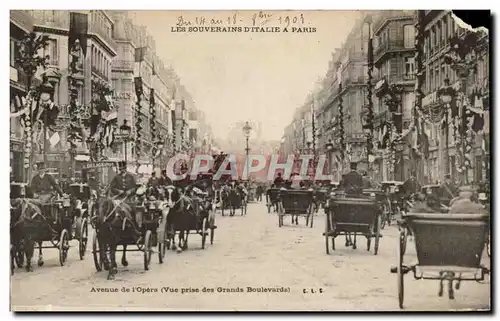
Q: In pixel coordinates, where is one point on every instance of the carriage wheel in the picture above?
(162, 244)
(384, 216)
(83, 238)
(377, 234)
(400, 275)
(404, 241)
(203, 233)
(19, 255)
(148, 249)
(63, 247)
(212, 230)
(327, 230)
(96, 253)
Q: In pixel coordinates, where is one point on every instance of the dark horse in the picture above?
(30, 226)
(236, 198)
(183, 215)
(115, 226)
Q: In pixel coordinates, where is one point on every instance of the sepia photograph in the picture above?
(249, 160)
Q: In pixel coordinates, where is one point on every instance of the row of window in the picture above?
(384, 38)
(100, 62)
(439, 35)
(408, 68)
(98, 19)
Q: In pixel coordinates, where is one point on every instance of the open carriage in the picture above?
(295, 203)
(234, 197)
(449, 249)
(39, 221)
(201, 221)
(147, 216)
(353, 216)
(391, 201)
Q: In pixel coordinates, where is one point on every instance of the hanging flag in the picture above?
(54, 139)
(140, 53)
(78, 29)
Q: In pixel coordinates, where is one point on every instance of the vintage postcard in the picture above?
(249, 161)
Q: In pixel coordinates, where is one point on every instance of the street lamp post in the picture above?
(446, 94)
(246, 130)
(329, 149)
(368, 126)
(341, 122)
(125, 131)
(463, 60)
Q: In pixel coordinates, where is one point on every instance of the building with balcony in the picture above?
(394, 62)
(440, 27)
(350, 62)
(56, 25)
(21, 24)
(137, 57)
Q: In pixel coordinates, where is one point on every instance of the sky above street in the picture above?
(261, 77)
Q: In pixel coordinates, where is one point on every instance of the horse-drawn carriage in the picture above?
(295, 203)
(193, 211)
(352, 216)
(36, 220)
(449, 245)
(233, 197)
(390, 197)
(133, 219)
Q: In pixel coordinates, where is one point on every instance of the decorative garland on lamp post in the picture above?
(341, 120)
(419, 82)
(77, 112)
(139, 91)
(30, 61)
(462, 59)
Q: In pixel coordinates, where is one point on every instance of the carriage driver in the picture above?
(124, 185)
(352, 182)
(43, 185)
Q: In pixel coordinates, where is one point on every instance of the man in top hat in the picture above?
(43, 184)
(352, 181)
(278, 181)
(124, 183)
(153, 181)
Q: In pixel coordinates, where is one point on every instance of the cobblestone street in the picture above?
(248, 251)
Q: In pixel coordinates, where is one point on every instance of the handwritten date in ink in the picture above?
(312, 290)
